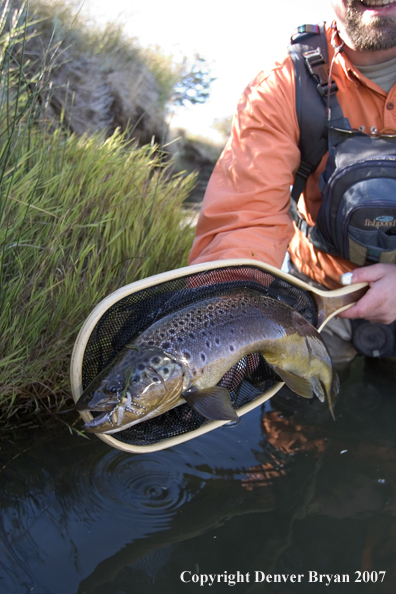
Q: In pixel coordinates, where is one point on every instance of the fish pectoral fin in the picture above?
(297, 384)
(212, 403)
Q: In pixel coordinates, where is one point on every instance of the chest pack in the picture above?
(357, 216)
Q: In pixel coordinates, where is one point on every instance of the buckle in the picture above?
(319, 70)
(302, 224)
(304, 30)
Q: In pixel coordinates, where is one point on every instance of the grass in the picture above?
(79, 218)
(59, 22)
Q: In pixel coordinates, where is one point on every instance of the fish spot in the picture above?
(232, 348)
(187, 355)
(217, 341)
(191, 335)
(208, 344)
(141, 367)
(136, 378)
(165, 370)
(180, 339)
(203, 357)
(172, 330)
(166, 345)
(151, 343)
(232, 331)
(155, 360)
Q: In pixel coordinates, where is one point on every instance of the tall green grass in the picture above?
(79, 217)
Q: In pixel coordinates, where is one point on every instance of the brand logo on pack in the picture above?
(383, 221)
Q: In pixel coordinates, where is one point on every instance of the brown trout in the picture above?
(182, 357)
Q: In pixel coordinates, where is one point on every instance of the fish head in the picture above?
(146, 383)
(107, 388)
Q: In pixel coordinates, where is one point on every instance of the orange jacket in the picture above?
(245, 212)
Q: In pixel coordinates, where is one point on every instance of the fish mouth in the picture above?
(95, 402)
(112, 419)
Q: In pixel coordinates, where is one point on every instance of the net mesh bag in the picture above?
(131, 315)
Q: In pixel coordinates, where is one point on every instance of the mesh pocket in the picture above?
(372, 245)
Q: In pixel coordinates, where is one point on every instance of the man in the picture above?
(245, 213)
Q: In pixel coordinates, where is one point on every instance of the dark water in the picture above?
(286, 492)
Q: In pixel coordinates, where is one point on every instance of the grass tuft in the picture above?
(79, 218)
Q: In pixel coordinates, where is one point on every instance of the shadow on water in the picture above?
(287, 491)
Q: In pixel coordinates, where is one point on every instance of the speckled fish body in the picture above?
(185, 354)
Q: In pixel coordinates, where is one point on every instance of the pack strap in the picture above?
(317, 105)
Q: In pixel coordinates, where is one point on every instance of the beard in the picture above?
(378, 34)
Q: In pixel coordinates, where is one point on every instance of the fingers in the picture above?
(369, 274)
(370, 308)
(378, 304)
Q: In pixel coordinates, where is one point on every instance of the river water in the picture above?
(286, 492)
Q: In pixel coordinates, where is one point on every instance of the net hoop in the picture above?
(102, 307)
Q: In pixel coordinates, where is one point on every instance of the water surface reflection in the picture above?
(285, 491)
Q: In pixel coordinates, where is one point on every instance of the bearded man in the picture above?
(245, 213)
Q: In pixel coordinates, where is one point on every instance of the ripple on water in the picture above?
(141, 486)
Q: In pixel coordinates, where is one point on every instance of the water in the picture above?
(286, 492)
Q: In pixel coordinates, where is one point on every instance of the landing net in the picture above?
(131, 315)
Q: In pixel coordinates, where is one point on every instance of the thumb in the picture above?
(366, 274)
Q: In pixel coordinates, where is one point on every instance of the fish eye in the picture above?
(115, 388)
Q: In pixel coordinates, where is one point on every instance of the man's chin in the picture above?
(370, 32)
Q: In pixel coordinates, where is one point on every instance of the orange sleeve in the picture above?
(245, 212)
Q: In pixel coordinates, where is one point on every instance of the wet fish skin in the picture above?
(202, 342)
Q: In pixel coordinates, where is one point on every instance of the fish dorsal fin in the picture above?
(212, 403)
(300, 385)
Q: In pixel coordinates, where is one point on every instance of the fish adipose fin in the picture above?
(297, 384)
(212, 403)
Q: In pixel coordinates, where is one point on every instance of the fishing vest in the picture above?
(357, 217)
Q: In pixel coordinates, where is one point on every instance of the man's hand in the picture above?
(379, 303)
